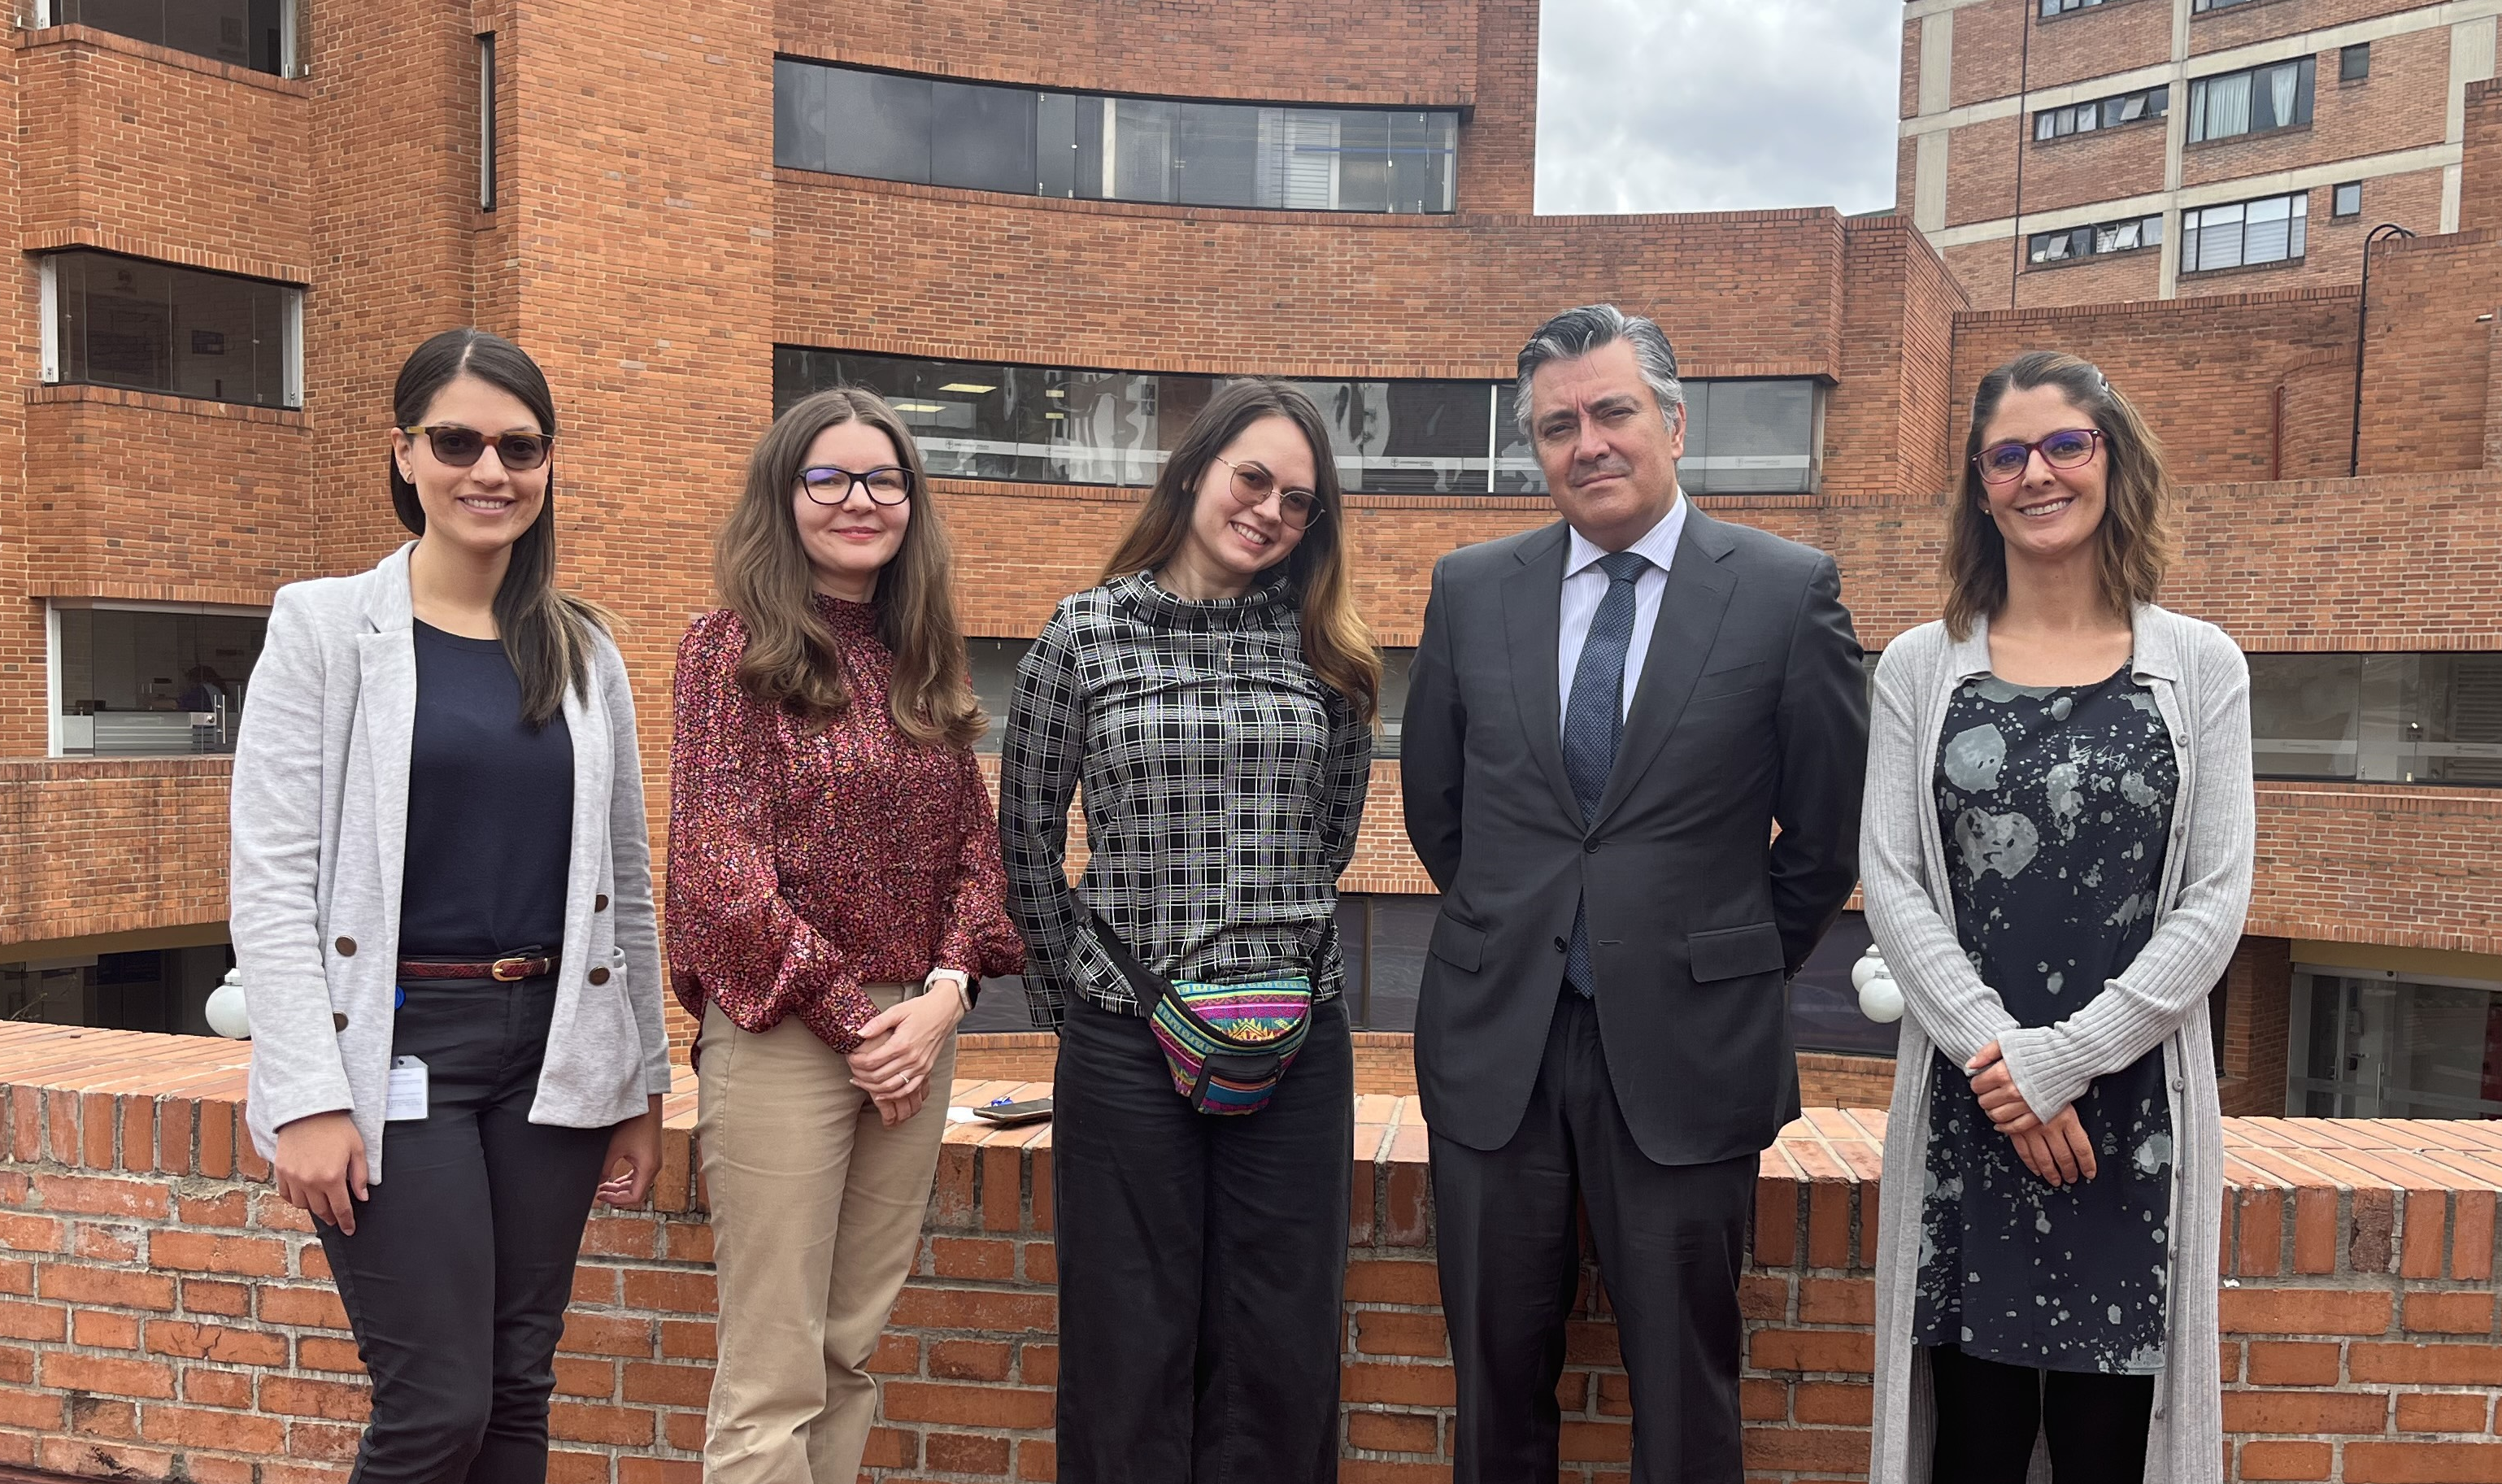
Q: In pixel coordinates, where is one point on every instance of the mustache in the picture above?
(1604, 466)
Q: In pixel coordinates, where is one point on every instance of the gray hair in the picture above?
(1577, 332)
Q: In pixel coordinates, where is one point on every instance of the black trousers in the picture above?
(456, 1280)
(1202, 1263)
(1671, 1238)
(1990, 1413)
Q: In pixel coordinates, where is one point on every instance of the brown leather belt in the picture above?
(504, 970)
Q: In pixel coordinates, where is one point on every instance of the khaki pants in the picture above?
(816, 1209)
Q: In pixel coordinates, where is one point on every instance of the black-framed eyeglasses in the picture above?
(832, 484)
(2068, 447)
(460, 447)
(1253, 484)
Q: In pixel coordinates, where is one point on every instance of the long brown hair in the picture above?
(1336, 642)
(762, 572)
(546, 633)
(2134, 542)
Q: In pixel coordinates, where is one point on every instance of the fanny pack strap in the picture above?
(1152, 988)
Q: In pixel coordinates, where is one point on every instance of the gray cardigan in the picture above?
(2201, 685)
(319, 813)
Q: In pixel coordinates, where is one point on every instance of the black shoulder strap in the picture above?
(1151, 988)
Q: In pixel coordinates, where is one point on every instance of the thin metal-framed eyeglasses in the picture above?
(2070, 448)
(1253, 484)
(460, 447)
(832, 484)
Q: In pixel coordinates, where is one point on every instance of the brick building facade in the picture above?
(2078, 152)
(225, 254)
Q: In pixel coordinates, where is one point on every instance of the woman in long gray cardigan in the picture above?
(2057, 853)
(442, 912)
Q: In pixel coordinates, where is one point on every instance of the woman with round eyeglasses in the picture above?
(442, 905)
(834, 902)
(1214, 697)
(2057, 853)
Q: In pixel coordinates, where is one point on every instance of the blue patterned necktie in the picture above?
(1594, 721)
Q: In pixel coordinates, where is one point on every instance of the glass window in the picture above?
(2264, 231)
(2375, 1045)
(1824, 1008)
(994, 664)
(2347, 200)
(874, 123)
(2070, 243)
(1089, 146)
(983, 138)
(247, 33)
(2416, 719)
(1749, 437)
(165, 991)
(2102, 113)
(1384, 939)
(2062, 7)
(150, 682)
(1068, 425)
(1395, 664)
(124, 321)
(2354, 62)
(2276, 97)
(486, 121)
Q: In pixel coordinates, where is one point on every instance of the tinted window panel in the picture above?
(1217, 154)
(983, 138)
(877, 125)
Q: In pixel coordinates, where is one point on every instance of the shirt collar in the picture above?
(1659, 543)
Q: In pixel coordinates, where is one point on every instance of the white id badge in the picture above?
(407, 1097)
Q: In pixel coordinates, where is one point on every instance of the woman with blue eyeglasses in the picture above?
(2057, 853)
(835, 898)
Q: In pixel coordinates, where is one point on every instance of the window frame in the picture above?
(2336, 196)
(2052, 116)
(1160, 119)
(48, 12)
(2201, 89)
(55, 707)
(2346, 57)
(2145, 221)
(488, 122)
(2297, 211)
(54, 370)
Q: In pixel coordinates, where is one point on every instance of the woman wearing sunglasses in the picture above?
(834, 900)
(442, 905)
(1215, 699)
(2056, 852)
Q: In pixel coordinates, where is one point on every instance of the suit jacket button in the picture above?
(599, 976)
(600, 904)
(1590, 847)
(347, 948)
(1562, 947)
(338, 1022)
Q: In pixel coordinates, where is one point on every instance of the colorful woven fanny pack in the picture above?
(1226, 1045)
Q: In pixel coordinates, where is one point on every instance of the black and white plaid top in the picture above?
(1223, 783)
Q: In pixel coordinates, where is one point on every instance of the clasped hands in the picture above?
(899, 1045)
(2056, 1150)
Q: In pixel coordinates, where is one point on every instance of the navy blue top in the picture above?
(489, 809)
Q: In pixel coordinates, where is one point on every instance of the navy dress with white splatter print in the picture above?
(2055, 803)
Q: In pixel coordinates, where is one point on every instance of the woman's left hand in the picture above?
(1995, 1086)
(635, 1144)
(899, 1046)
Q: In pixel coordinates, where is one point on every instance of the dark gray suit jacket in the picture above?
(1751, 710)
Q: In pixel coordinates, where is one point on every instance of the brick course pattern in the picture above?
(164, 1316)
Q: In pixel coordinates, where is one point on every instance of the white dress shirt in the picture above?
(1584, 584)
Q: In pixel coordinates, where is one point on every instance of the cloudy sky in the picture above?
(1716, 104)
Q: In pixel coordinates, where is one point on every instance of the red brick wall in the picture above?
(162, 1315)
(2071, 170)
(2401, 105)
(177, 157)
(2480, 192)
(2099, 279)
(1416, 52)
(2426, 356)
(84, 845)
(2258, 1009)
(2236, 26)
(125, 488)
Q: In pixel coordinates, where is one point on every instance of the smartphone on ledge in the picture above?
(1031, 1110)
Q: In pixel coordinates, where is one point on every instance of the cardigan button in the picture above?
(600, 904)
(338, 1022)
(347, 948)
(599, 976)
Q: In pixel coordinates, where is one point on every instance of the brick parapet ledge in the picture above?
(164, 1315)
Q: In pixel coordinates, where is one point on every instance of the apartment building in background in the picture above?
(2083, 152)
(1046, 238)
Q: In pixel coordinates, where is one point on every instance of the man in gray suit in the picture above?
(1605, 721)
